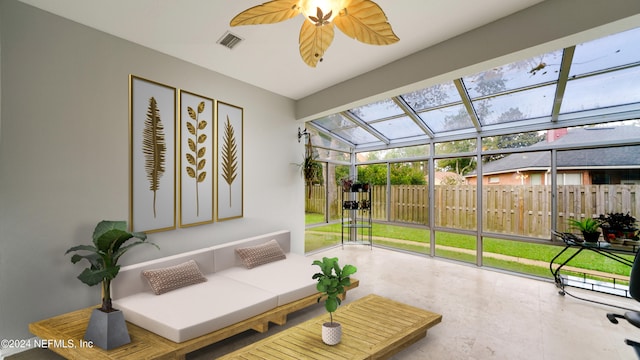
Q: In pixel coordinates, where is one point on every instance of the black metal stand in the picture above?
(574, 242)
(356, 215)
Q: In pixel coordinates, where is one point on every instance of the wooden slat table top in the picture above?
(373, 327)
(70, 328)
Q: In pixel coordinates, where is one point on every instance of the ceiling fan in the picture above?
(362, 20)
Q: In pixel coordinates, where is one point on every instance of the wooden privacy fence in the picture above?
(508, 209)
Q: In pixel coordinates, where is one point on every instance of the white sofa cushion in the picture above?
(192, 311)
(289, 279)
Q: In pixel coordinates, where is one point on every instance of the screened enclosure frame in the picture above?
(539, 94)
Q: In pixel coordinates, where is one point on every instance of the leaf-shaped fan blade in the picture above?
(314, 41)
(268, 13)
(365, 21)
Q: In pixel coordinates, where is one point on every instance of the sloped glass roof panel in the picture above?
(530, 72)
(324, 140)
(606, 53)
(521, 105)
(357, 135)
(378, 110)
(609, 89)
(434, 96)
(398, 128)
(604, 73)
(332, 122)
(449, 118)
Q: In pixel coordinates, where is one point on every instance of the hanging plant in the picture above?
(311, 168)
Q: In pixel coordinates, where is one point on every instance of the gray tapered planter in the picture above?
(107, 330)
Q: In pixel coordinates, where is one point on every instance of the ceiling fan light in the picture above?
(321, 12)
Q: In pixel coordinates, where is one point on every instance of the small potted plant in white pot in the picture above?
(108, 246)
(331, 284)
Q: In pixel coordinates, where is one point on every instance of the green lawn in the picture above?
(417, 240)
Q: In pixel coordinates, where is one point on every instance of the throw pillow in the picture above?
(261, 254)
(174, 277)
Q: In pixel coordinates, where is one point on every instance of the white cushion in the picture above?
(289, 279)
(192, 311)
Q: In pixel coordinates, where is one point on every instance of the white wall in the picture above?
(64, 157)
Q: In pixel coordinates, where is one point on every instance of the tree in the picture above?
(511, 141)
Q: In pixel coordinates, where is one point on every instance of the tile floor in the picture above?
(486, 314)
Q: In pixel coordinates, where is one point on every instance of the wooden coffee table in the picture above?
(64, 334)
(373, 327)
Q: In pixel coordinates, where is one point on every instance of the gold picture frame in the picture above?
(229, 161)
(152, 144)
(196, 169)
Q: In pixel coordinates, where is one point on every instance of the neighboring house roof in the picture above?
(626, 156)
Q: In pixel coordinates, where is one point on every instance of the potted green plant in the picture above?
(108, 246)
(346, 184)
(311, 168)
(589, 228)
(331, 284)
(617, 225)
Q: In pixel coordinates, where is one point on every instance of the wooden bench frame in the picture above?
(147, 345)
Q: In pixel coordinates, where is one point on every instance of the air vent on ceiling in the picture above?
(229, 40)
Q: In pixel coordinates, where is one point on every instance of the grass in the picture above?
(417, 240)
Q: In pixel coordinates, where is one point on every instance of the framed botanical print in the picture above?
(196, 159)
(152, 144)
(229, 155)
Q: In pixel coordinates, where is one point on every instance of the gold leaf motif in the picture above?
(190, 159)
(154, 148)
(268, 13)
(197, 153)
(192, 113)
(229, 156)
(191, 128)
(314, 41)
(365, 21)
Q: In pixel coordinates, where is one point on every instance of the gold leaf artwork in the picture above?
(154, 148)
(196, 156)
(229, 156)
(362, 20)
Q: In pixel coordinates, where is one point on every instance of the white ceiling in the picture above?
(268, 57)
